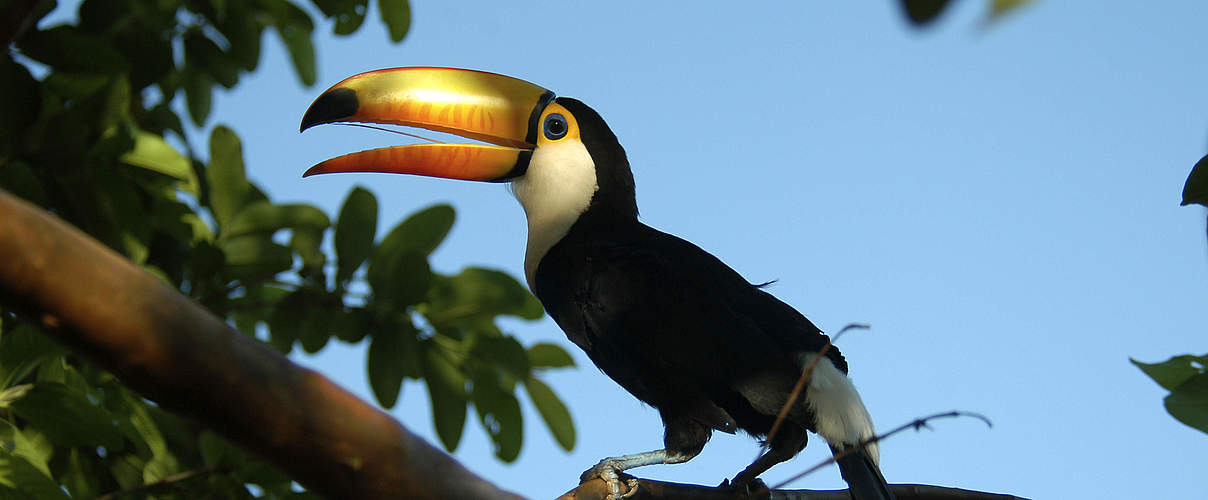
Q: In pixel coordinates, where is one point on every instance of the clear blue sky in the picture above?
(1000, 203)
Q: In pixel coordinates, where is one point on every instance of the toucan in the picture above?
(672, 324)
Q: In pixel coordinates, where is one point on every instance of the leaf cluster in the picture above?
(92, 131)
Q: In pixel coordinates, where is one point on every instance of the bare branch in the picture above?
(916, 424)
(173, 351)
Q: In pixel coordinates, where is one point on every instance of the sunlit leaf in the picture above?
(397, 16)
(549, 356)
(355, 230)
(421, 232)
(153, 153)
(1195, 190)
(267, 218)
(256, 257)
(553, 411)
(227, 180)
(22, 480)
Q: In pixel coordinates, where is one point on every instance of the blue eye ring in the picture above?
(555, 126)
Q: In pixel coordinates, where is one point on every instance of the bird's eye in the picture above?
(555, 127)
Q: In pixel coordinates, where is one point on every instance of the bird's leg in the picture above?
(610, 468)
(789, 441)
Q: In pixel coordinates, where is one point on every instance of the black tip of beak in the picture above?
(330, 107)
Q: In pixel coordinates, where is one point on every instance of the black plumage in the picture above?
(671, 323)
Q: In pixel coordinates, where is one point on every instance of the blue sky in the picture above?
(999, 202)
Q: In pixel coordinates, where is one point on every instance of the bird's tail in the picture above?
(841, 418)
(863, 477)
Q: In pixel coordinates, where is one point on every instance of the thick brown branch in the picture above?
(657, 490)
(176, 353)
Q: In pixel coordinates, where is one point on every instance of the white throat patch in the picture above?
(554, 191)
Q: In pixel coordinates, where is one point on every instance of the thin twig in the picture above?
(805, 375)
(916, 424)
(166, 481)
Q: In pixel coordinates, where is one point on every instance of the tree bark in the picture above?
(171, 350)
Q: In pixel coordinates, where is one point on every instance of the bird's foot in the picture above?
(609, 470)
(746, 488)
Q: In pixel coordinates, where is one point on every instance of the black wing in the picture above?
(673, 324)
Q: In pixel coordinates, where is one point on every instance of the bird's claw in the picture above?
(752, 488)
(608, 471)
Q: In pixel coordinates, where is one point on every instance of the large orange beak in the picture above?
(496, 109)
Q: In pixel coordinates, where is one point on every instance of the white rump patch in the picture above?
(554, 191)
(841, 416)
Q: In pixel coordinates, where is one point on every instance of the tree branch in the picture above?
(597, 489)
(173, 351)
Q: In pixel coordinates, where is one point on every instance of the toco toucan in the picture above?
(669, 322)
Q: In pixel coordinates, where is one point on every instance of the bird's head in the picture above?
(558, 153)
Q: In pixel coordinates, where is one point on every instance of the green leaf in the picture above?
(398, 279)
(22, 479)
(355, 230)
(294, 26)
(447, 392)
(66, 48)
(153, 153)
(308, 242)
(543, 355)
(499, 413)
(1189, 402)
(228, 185)
(553, 411)
(476, 293)
(243, 32)
(14, 393)
(397, 16)
(22, 349)
(387, 364)
(421, 232)
(33, 446)
(256, 257)
(161, 466)
(923, 12)
(67, 417)
(17, 178)
(350, 16)
(201, 52)
(505, 353)
(1174, 371)
(1195, 190)
(266, 218)
(198, 94)
(23, 100)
